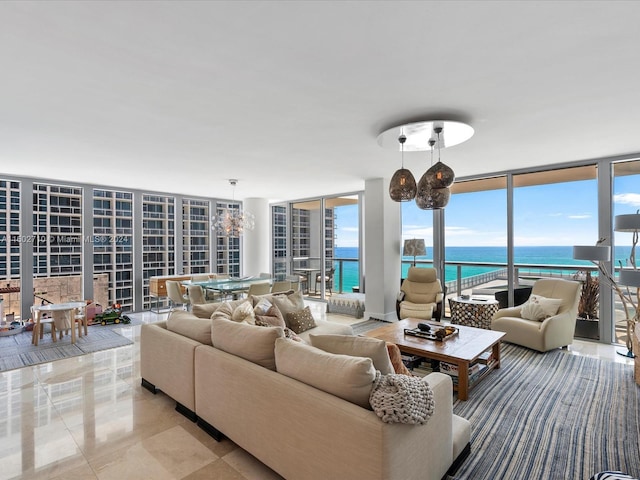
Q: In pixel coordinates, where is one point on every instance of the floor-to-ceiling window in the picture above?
(195, 236)
(10, 244)
(553, 211)
(476, 235)
(626, 200)
(318, 242)
(113, 244)
(227, 247)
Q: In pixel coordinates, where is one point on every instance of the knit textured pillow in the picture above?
(402, 399)
(301, 321)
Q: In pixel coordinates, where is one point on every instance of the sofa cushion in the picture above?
(262, 306)
(301, 321)
(288, 303)
(187, 325)
(372, 348)
(253, 343)
(271, 318)
(540, 308)
(347, 377)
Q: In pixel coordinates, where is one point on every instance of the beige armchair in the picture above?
(545, 334)
(420, 295)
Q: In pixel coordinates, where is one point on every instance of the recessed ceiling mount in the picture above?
(420, 133)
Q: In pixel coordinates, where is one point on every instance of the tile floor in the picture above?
(88, 418)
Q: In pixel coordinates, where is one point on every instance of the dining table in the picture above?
(233, 286)
(63, 315)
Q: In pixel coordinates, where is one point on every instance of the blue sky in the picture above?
(554, 214)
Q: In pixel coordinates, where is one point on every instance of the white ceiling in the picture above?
(289, 97)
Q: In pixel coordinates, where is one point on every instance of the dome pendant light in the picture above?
(402, 187)
(440, 175)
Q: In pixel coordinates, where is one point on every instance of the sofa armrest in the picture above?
(508, 312)
(167, 362)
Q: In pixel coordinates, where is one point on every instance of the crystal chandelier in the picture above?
(232, 222)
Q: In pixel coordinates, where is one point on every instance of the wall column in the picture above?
(382, 234)
(256, 243)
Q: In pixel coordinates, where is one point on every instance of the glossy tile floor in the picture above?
(88, 418)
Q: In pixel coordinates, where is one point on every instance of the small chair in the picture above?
(420, 295)
(38, 327)
(264, 275)
(547, 333)
(174, 292)
(281, 286)
(328, 280)
(259, 289)
(80, 318)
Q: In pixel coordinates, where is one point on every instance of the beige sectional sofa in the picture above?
(242, 388)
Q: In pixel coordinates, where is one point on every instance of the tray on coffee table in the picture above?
(430, 335)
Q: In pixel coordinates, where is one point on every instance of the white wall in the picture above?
(256, 243)
(382, 235)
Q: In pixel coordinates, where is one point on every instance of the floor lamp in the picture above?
(598, 254)
(630, 276)
(414, 248)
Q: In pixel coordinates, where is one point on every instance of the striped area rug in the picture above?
(552, 416)
(16, 351)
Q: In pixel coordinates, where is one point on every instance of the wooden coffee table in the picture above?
(462, 350)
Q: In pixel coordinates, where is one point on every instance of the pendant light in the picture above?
(424, 198)
(402, 187)
(440, 175)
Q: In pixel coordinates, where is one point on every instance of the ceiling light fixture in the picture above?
(402, 187)
(232, 222)
(433, 188)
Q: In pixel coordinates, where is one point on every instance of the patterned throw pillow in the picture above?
(244, 313)
(288, 303)
(301, 321)
(272, 321)
(271, 318)
(540, 308)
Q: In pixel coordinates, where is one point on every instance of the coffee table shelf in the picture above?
(463, 350)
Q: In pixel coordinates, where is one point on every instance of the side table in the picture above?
(474, 311)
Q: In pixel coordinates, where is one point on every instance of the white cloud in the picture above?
(556, 214)
(348, 229)
(627, 199)
(581, 216)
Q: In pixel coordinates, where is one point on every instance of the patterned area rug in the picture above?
(362, 327)
(16, 351)
(552, 416)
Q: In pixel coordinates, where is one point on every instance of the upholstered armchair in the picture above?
(546, 321)
(420, 295)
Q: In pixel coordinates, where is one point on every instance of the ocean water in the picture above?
(553, 255)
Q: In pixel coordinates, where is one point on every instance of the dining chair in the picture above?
(176, 297)
(200, 277)
(259, 289)
(281, 286)
(38, 326)
(196, 295)
(328, 281)
(294, 281)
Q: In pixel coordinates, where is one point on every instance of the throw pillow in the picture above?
(272, 317)
(269, 321)
(301, 321)
(540, 308)
(244, 313)
(224, 311)
(396, 360)
(293, 302)
(349, 378)
(372, 348)
(262, 306)
(255, 344)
